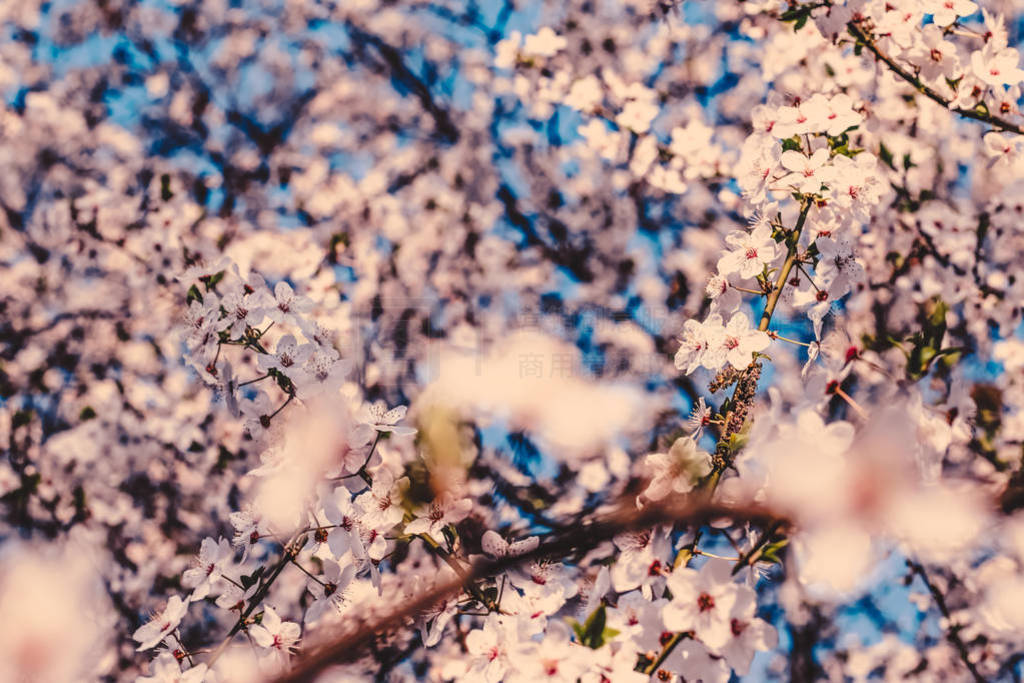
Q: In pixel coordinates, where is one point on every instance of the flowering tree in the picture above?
(356, 340)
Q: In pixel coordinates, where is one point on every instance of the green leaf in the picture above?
(165, 187)
(193, 295)
(935, 325)
(886, 155)
(21, 418)
(251, 579)
(214, 280)
(792, 143)
(772, 550)
(737, 442)
(87, 413)
(592, 633)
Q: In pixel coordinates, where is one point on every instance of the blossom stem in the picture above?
(717, 557)
(253, 381)
(810, 280)
(853, 404)
(188, 655)
(306, 571)
(749, 558)
(665, 652)
(361, 472)
(232, 582)
(776, 335)
(274, 414)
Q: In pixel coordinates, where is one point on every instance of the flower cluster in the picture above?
(337, 340)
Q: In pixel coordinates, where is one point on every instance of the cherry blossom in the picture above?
(166, 669)
(439, 514)
(678, 470)
(214, 557)
(702, 602)
(150, 634)
(276, 635)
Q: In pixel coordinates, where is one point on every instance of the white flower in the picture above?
(945, 12)
(344, 535)
(545, 43)
(200, 321)
(637, 116)
(234, 598)
(678, 470)
(150, 634)
(242, 311)
(386, 421)
(751, 252)
(700, 417)
(287, 358)
(545, 586)
(641, 561)
(166, 669)
(831, 115)
(274, 634)
(249, 528)
(329, 590)
(702, 602)
(807, 173)
(210, 564)
(725, 298)
(507, 50)
(492, 648)
(287, 306)
(997, 68)
(323, 373)
(1003, 147)
(585, 94)
(749, 634)
(436, 618)
(692, 345)
(736, 344)
(555, 658)
(837, 266)
(935, 55)
(792, 121)
(638, 619)
(382, 504)
(692, 661)
(607, 143)
(496, 546)
(439, 514)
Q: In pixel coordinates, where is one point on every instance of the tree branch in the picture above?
(348, 645)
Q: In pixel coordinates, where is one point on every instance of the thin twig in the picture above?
(867, 41)
(953, 632)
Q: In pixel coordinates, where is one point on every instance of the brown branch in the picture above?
(953, 632)
(348, 645)
(867, 41)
